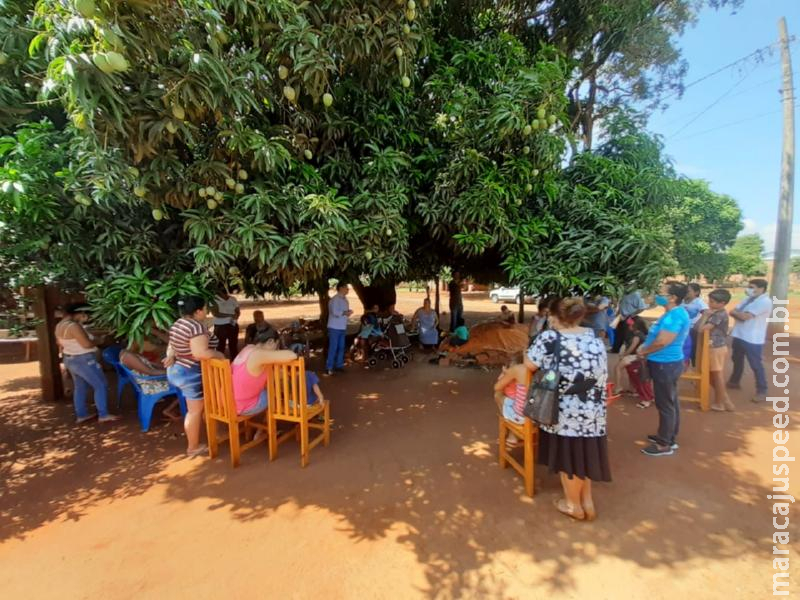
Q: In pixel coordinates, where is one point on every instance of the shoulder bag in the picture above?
(542, 404)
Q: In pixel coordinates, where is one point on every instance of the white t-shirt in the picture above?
(754, 331)
(695, 309)
(226, 307)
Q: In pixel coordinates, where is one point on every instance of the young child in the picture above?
(635, 335)
(460, 335)
(715, 321)
(510, 393)
(313, 392)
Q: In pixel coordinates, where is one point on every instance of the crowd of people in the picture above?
(567, 333)
(573, 335)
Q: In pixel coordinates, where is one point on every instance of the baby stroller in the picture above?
(295, 338)
(393, 344)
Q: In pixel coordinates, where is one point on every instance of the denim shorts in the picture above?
(509, 413)
(189, 380)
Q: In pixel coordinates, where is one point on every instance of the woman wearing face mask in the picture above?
(663, 350)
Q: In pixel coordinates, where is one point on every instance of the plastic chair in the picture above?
(111, 356)
(288, 401)
(146, 402)
(220, 407)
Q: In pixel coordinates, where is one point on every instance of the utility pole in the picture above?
(783, 237)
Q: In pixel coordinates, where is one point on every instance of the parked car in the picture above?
(508, 294)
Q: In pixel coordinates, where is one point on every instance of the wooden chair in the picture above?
(288, 401)
(528, 432)
(221, 407)
(700, 376)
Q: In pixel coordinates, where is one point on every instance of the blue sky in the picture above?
(741, 160)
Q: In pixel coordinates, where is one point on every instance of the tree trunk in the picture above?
(321, 288)
(46, 347)
(588, 116)
(521, 317)
(361, 292)
(436, 279)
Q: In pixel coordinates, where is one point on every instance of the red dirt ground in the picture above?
(407, 502)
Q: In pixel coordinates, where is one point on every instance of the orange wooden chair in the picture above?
(700, 375)
(220, 407)
(528, 432)
(288, 401)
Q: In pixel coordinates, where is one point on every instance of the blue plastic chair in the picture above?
(146, 402)
(111, 356)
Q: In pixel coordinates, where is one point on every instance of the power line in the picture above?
(755, 53)
(710, 106)
(726, 125)
(736, 95)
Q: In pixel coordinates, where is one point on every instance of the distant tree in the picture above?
(745, 256)
(706, 225)
(796, 266)
(622, 52)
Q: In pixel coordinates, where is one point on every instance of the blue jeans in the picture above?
(740, 350)
(456, 314)
(335, 349)
(86, 371)
(665, 378)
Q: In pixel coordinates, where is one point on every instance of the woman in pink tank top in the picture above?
(250, 375)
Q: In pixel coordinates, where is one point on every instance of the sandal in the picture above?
(643, 404)
(590, 514)
(565, 508)
(718, 407)
(199, 451)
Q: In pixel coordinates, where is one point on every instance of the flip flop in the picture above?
(643, 404)
(199, 451)
(564, 508)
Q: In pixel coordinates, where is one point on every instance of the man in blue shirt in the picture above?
(663, 350)
(338, 311)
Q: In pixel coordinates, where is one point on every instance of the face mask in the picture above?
(661, 300)
(749, 292)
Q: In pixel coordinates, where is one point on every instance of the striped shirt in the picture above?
(180, 335)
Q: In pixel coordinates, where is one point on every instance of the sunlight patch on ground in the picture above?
(477, 449)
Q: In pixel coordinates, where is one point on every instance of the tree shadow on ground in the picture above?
(426, 458)
(414, 449)
(53, 469)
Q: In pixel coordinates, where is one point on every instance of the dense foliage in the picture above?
(705, 225)
(265, 144)
(745, 256)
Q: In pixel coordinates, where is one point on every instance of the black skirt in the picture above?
(582, 457)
